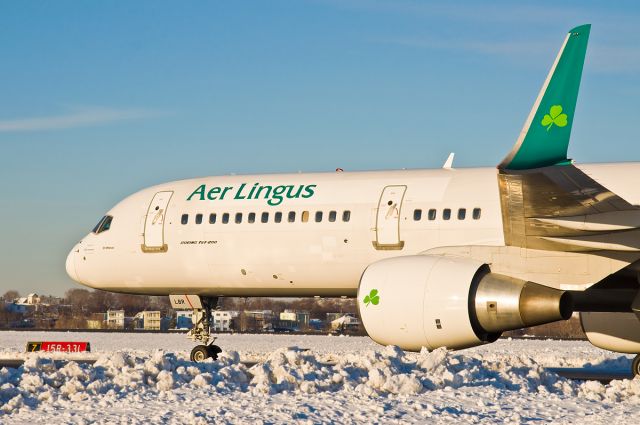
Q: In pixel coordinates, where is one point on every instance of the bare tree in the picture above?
(78, 299)
(10, 295)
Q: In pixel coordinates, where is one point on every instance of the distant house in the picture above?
(333, 316)
(222, 320)
(316, 324)
(346, 323)
(183, 319)
(13, 307)
(115, 319)
(31, 299)
(96, 321)
(256, 320)
(292, 321)
(149, 320)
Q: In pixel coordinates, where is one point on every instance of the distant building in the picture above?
(289, 316)
(302, 317)
(183, 319)
(115, 319)
(13, 307)
(316, 324)
(346, 323)
(256, 320)
(31, 299)
(96, 321)
(333, 316)
(292, 321)
(149, 320)
(222, 321)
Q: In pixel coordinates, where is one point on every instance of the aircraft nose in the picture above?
(71, 264)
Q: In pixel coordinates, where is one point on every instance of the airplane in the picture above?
(449, 257)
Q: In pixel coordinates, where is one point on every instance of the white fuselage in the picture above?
(148, 249)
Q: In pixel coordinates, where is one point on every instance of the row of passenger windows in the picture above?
(446, 214)
(264, 217)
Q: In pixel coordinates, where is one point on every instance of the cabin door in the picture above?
(154, 223)
(388, 218)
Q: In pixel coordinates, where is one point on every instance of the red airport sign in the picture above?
(59, 346)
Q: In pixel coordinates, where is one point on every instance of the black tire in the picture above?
(200, 353)
(635, 365)
(214, 350)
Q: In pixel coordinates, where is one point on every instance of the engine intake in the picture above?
(433, 301)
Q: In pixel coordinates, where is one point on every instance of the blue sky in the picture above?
(100, 99)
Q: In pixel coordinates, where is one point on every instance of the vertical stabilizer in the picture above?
(544, 139)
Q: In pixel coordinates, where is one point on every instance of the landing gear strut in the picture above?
(201, 331)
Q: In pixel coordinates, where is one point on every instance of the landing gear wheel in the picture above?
(214, 350)
(200, 353)
(635, 365)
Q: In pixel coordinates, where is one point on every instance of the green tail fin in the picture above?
(545, 136)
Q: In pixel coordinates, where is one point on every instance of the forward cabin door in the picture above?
(154, 223)
(388, 218)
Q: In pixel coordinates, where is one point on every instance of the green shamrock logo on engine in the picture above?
(555, 116)
(372, 298)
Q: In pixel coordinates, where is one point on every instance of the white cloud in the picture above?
(84, 117)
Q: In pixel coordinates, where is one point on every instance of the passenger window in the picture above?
(446, 214)
(346, 216)
(332, 216)
(212, 218)
(292, 216)
(265, 217)
(462, 213)
(198, 218)
(305, 216)
(417, 215)
(318, 216)
(432, 214)
(225, 218)
(476, 213)
(278, 217)
(251, 218)
(238, 218)
(184, 219)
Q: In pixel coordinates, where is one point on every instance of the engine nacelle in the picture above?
(612, 331)
(432, 301)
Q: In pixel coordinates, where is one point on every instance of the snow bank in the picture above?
(388, 372)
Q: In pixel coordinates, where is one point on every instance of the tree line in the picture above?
(77, 305)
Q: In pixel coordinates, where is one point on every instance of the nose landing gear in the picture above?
(201, 319)
(202, 352)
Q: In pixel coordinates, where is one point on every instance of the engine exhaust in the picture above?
(504, 303)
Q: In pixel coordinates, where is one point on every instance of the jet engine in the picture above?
(436, 301)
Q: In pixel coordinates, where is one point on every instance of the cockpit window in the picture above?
(95, 229)
(103, 225)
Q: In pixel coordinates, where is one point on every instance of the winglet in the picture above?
(448, 164)
(544, 139)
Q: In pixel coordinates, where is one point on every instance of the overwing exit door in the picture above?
(388, 218)
(154, 223)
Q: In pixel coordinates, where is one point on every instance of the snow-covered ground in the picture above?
(147, 378)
